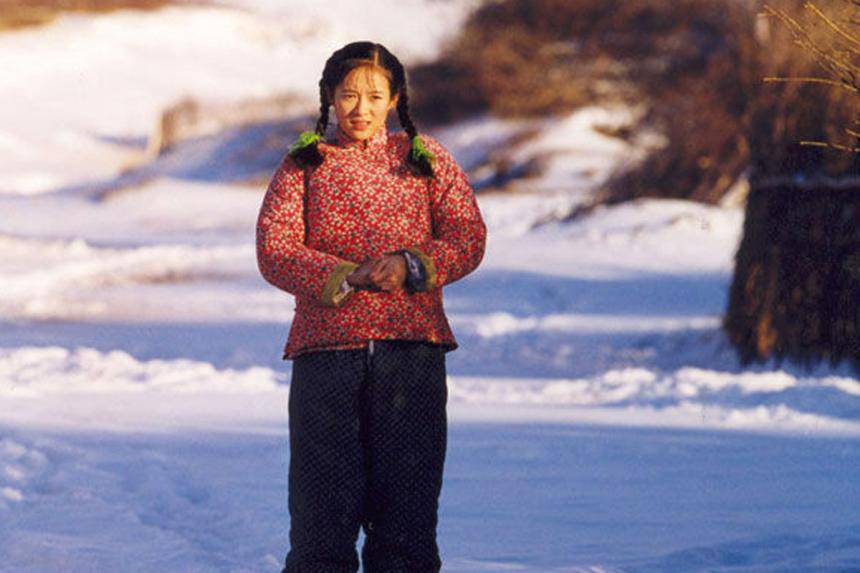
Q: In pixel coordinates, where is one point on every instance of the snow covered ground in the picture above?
(599, 419)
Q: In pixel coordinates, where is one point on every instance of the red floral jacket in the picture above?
(364, 202)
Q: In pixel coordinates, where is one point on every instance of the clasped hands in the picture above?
(387, 273)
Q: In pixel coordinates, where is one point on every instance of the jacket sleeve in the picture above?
(459, 233)
(282, 257)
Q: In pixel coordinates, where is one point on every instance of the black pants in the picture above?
(368, 431)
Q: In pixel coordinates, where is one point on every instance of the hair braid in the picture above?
(308, 154)
(419, 164)
(322, 122)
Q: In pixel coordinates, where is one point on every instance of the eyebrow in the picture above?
(356, 91)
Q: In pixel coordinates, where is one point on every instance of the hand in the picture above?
(360, 277)
(389, 272)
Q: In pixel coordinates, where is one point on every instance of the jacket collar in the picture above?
(376, 142)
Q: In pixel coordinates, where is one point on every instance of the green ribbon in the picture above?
(305, 139)
(418, 150)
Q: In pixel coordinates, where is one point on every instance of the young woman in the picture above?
(364, 228)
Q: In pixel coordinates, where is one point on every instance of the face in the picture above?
(362, 102)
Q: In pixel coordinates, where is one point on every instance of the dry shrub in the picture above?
(516, 58)
(543, 57)
(787, 113)
(687, 63)
(695, 66)
(720, 118)
(522, 77)
(16, 14)
(444, 92)
(698, 77)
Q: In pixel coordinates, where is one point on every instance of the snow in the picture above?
(128, 65)
(599, 419)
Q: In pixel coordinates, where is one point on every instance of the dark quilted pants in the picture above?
(367, 449)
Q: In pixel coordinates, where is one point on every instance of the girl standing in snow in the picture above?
(364, 228)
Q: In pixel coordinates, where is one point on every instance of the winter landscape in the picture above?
(599, 419)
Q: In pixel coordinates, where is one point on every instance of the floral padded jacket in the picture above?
(364, 202)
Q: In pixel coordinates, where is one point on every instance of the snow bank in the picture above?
(86, 379)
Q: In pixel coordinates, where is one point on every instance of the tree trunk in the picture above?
(796, 287)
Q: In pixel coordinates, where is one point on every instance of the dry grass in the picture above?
(787, 113)
(16, 14)
(721, 119)
(443, 92)
(517, 58)
(697, 66)
(687, 62)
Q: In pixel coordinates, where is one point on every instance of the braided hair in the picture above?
(305, 151)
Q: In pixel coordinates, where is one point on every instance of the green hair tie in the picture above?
(419, 151)
(305, 139)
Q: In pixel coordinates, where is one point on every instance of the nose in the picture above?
(362, 105)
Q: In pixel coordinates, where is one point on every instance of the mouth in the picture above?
(360, 124)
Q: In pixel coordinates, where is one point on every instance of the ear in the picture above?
(393, 103)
